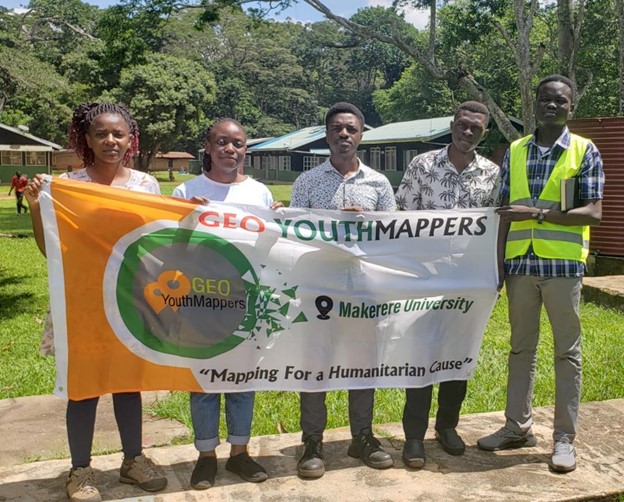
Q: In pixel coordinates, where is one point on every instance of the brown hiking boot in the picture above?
(142, 472)
(81, 487)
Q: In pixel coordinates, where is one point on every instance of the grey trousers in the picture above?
(560, 297)
(314, 412)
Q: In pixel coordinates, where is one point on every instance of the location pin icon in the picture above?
(324, 304)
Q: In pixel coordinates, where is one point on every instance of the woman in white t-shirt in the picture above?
(106, 137)
(225, 148)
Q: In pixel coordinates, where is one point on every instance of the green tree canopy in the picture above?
(167, 95)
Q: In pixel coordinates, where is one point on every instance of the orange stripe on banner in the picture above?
(97, 362)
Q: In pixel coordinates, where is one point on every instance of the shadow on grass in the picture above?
(13, 304)
(14, 225)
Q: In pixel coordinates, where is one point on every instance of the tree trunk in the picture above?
(432, 30)
(520, 47)
(140, 162)
(569, 34)
(478, 93)
(565, 34)
(143, 161)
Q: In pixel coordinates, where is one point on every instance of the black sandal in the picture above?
(204, 474)
(247, 468)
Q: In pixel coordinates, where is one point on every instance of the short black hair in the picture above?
(343, 107)
(557, 78)
(474, 107)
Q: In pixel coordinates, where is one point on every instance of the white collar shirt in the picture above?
(323, 187)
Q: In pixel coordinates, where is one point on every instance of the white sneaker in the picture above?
(564, 456)
(81, 487)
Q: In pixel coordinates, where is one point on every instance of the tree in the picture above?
(372, 64)
(131, 32)
(414, 96)
(53, 28)
(596, 69)
(28, 99)
(34, 90)
(261, 81)
(568, 31)
(274, 77)
(528, 58)
(167, 96)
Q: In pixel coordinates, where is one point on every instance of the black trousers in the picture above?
(418, 403)
(81, 425)
(314, 412)
(19, 199)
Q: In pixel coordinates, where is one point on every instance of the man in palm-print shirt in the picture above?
(454, 177)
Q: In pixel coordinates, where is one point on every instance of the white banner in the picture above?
(252, 299)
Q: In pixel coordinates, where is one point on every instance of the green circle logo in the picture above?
(186, 293)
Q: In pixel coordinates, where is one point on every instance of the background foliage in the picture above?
(180, 65)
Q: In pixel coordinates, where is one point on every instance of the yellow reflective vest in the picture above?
(549, 240)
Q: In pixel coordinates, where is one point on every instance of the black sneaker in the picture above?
(450, 441)
(414, 453)
(204, 474)
(247, 468)
(368, 448)
(311, 464)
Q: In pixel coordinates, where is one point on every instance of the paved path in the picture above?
(515, 475)
(33, 428)
(606, 290)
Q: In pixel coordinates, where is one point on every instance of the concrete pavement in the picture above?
(513, 475)
(35, 427)
(606, 290)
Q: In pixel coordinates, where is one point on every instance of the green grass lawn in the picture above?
(23, 372)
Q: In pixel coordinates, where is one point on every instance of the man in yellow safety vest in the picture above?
(542, 253)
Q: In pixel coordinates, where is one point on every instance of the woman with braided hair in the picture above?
(106, 137)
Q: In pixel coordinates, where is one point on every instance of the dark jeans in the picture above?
(418, 403)
(314, 412)
(19, 196)
(81, 425)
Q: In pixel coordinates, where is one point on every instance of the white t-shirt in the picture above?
(249, 191)
(137, 182)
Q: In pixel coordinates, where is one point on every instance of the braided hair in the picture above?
(207, 161)
(84, 115)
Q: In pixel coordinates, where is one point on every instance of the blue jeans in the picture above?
(206, 412)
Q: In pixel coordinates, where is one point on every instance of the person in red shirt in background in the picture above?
(19, 182)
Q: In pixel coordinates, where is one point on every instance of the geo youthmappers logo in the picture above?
(174, 290)
(190, 293)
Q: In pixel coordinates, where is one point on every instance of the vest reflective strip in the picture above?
(546, 235)
(558, 235)
(548, 204)
(544, 204)
(518, 235)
